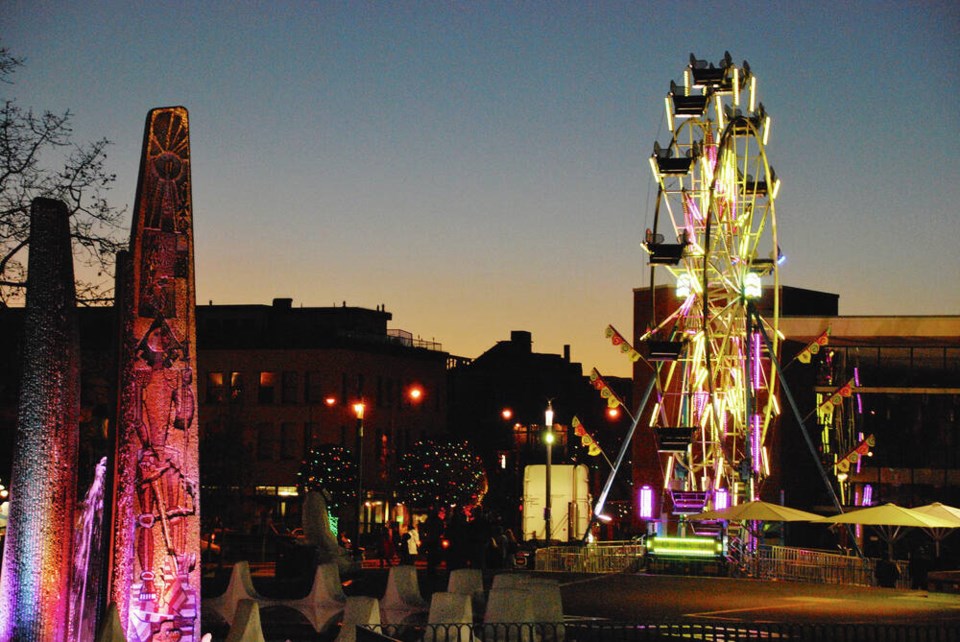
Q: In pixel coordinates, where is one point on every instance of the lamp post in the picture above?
(358, 409)
(548, 437)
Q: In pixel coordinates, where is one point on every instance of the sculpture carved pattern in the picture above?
(162, 425)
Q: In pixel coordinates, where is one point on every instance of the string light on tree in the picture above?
(441, 473)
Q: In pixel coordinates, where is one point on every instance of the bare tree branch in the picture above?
(39, 159)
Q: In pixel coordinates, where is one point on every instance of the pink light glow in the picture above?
(755, 443)
(721, 499)
(646, 502)
(756, 361)
(690, 207)
(867, 495)
(856, 382)
(700, 401)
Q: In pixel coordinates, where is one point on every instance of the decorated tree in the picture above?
(332, 469)
(441, 473)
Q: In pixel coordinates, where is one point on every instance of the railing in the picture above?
(819, 567)
(596, 631)
(771, 562)
(602, 557)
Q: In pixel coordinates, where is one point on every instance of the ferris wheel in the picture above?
(714, 243)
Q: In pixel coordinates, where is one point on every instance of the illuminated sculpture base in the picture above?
(151, 607)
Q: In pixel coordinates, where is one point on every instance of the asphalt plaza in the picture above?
(646, 597)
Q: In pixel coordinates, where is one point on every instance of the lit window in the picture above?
(215, 390)
(268, 384)
(236, 386)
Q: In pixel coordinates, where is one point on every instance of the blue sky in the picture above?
(481, 167)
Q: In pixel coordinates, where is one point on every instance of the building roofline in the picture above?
(874, 327)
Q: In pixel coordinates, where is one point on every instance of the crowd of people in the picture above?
(464, 538)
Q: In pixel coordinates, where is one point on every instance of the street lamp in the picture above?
(548, 437)
(358, 409)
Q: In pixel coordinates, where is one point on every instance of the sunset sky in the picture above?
(481, 167)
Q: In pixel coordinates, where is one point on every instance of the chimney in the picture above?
(282, 304)
(522, 340)
(566, 352)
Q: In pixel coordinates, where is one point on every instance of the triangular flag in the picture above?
(617, 339)
(807, 353)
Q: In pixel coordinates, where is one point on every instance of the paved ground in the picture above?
(655, 597)
(640, 597)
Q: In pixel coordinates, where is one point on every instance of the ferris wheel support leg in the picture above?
(623, 451)
(803, 427)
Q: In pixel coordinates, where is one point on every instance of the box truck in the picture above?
(569, 501)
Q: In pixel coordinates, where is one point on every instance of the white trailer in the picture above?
(569, 501)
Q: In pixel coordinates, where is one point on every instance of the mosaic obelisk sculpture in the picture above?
(34, 582)
(155, 580)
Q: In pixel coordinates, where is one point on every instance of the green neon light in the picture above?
(685, 552)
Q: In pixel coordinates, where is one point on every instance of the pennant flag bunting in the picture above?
(586, 440)
(612, 399)
(814, 348)
(852, 457)
(825, 410)
(617, 339)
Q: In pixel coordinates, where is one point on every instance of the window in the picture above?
(311, 437)
(291, 381)
(268, 384)
(314, 387)
(389, 393)
(236, 386)
(289, 441)
(265, 442)
(215, 389)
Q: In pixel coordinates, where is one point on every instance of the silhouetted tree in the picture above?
(38, 158)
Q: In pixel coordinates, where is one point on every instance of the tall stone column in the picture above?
(155, 579)
(34, 595)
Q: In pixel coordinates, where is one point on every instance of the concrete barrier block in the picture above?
(358, 610)
(510, 580)
(327, 588)
(469, 581)
(403, 590)
(323, 605)
(454, 611)
(548, 607)
(509, 616)
(246, 623)
(240, 587)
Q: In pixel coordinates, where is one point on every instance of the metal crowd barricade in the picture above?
(769, 562)
(820, 567)
(602, 557)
